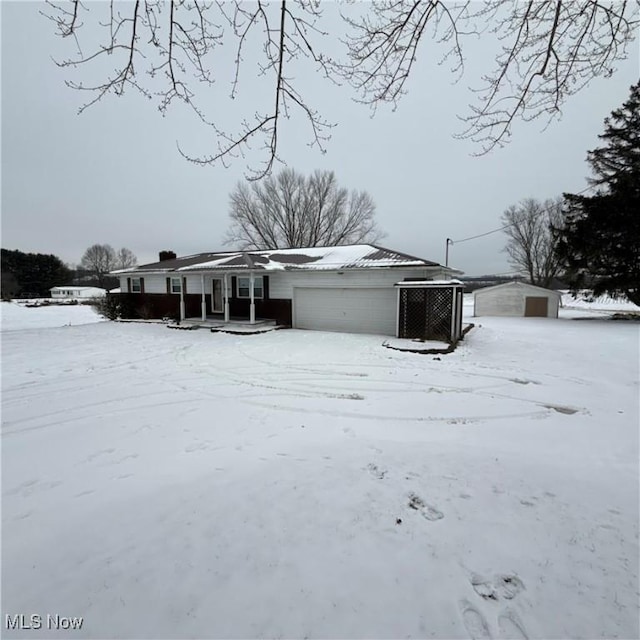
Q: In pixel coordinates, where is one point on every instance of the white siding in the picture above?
(499, 302)
(509, 300)
(78, 293)
(157, 283)
(281, 285)
(353, 310)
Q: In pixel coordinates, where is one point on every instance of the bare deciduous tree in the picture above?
(549, 50)
(125, 258)
(531, 245)
(289, 210)
(99, 260)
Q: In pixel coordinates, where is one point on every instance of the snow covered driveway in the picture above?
(174, 484)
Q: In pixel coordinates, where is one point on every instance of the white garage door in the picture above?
(350, 310)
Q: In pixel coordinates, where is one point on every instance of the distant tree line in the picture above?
(26, 275)
(32, 275)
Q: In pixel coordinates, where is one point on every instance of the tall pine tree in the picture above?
(599, 243)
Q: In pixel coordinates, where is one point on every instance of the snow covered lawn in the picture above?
(170, 484)
(15, 317)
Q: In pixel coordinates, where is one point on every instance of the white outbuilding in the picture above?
(516, 299)
(72, 292)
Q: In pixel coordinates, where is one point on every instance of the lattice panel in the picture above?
(426, 313)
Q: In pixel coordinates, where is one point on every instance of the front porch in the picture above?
(233, 325)
(220, 294)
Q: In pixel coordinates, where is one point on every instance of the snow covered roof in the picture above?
(428, 283)
(75, 288)
(517, 285)
(359, 256)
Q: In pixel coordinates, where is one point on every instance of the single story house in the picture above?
(516, 299)
(72, 292)
(345, 288)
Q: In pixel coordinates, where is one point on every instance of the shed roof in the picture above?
(75, 288)
(517, 285)
(429, 283)
(359, 256)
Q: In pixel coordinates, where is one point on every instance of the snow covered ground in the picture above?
(16, 317)
(170, 484)
(599, 304)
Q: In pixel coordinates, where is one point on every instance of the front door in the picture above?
(216, 296)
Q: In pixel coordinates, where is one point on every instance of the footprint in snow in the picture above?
(427, 511)
(510, 626)
(474, 622)
(97, 454)
(502, 586)
(560, 409)
(196, 446)
(376, 472)
(84, 493)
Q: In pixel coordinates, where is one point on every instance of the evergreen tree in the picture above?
(599, 243)
(31, 274)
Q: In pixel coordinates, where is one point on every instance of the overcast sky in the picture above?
(113, 174)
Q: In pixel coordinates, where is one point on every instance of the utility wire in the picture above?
(509, 224)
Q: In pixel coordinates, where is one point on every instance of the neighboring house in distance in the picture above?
(516, 299)
(345, 288)
(71, 292)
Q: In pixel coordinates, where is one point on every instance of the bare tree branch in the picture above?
(531, 244)
(124, 259)
(549, 51)
(556, 48)
(99, 260)
(289, 210)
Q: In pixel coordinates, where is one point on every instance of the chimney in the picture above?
(167, 255)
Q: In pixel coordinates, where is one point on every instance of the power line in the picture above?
(481, 235)
(505, 226)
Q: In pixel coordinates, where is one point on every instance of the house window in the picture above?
(244, 287)
(136, 286)
(176, 285)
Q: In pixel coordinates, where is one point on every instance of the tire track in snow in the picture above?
(364, 385)
(90, 416)
(381, 418)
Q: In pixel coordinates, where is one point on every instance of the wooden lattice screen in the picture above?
(430, 313)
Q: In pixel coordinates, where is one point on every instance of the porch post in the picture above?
(204, 302)
(252, 306)
(182, 307)
(226, 299)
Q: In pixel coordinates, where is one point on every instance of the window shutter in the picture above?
(141, 285)
(265, 287)
(234, 286)
(168, 285)
(184, 285)
(128, 285)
